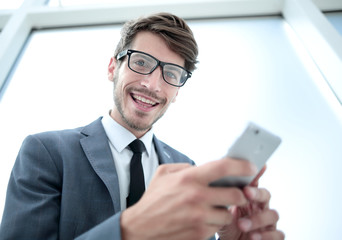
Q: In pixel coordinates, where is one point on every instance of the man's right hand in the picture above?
(179, 204)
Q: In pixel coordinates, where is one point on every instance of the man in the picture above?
(77, 183)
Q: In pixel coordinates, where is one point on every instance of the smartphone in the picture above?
(256, 145)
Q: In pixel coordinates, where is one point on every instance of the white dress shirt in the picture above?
(119, 138)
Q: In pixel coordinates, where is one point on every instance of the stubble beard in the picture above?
(134, 124)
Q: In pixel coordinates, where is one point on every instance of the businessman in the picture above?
(114, 179)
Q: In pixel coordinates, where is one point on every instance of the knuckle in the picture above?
(198, 218)
(194, 196)
(237, 197)
(185, 178)
(198, 195)
(273, 235)
(162, 169)
(266, 193)
(274, 214)
(262, 194)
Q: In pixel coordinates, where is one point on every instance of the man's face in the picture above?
(140, 100)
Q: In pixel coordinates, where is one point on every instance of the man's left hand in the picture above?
(255, 220)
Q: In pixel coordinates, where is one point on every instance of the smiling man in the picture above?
(141, 98)
(89, 182)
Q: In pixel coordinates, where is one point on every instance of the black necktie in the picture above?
(137, 181)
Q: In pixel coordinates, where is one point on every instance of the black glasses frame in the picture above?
(129, 52)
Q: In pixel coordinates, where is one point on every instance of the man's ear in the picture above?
(174, 99)
(111, 68)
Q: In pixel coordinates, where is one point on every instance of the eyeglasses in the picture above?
(145, 64)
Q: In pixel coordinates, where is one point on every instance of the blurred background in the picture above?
(277, 63)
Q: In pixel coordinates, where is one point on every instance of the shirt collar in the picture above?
(120, 137)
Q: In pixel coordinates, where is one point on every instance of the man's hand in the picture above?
(254, 220)
(179, 204)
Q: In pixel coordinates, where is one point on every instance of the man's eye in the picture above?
(140, 63)
(171, 75)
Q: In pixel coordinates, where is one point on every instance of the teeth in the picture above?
(144, 100)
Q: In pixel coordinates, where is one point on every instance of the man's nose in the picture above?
(154, 80)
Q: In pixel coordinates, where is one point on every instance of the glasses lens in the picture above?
(174, 75)
(142, 63)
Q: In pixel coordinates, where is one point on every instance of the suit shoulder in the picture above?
(57, 134)
(69, 134)
(171, 153)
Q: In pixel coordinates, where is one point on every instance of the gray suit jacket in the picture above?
(64, 185)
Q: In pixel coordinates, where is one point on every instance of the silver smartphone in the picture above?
(255, 144)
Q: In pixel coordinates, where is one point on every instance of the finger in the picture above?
(259, 195)
(257, 221)
(214, 170)
(222, 196)
(219, 217)
(255, 181)
(272, 235)
(171, 168)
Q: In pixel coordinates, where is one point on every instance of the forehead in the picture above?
(156, 46)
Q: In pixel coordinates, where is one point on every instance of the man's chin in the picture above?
(140, 121)
(137, 126)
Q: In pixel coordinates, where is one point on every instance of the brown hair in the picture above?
(174, 30)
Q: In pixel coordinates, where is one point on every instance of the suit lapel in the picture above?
(96, 147)
(162, 152)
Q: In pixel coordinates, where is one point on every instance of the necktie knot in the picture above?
(137, 146)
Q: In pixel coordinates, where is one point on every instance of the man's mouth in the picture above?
(144, 102)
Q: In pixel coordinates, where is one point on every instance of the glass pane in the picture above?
(335, 18)
(252, 69)
(52, 77)
(10, 4)
(125, 2)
